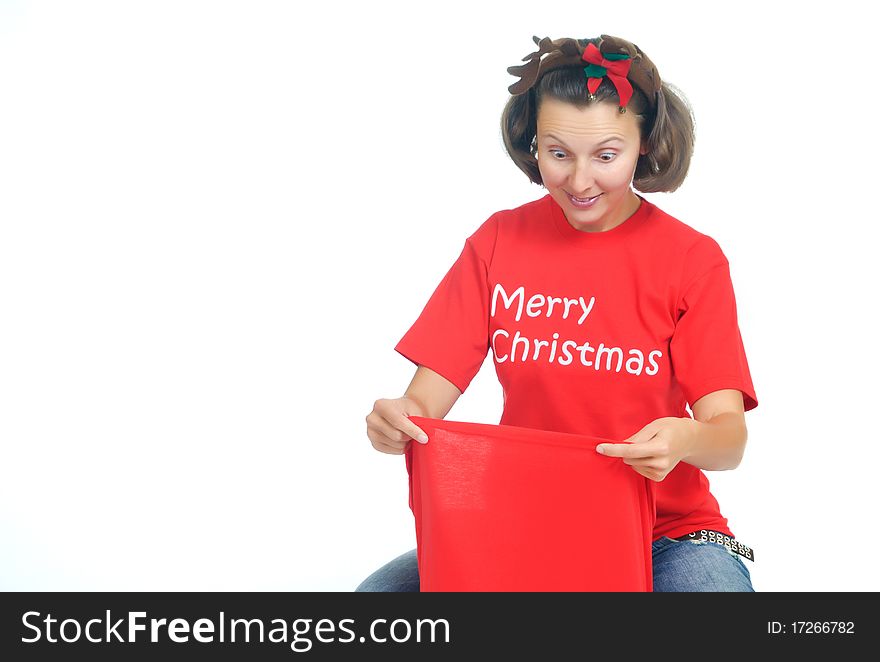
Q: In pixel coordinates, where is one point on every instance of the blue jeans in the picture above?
(679, 565)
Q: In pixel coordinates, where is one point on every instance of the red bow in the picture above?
(616, 69)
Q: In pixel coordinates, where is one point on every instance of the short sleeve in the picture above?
(451, 335)
(707, 350)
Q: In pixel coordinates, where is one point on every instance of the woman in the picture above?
(605, 315)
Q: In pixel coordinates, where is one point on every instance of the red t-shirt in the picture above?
(592, 333)
(506, 508)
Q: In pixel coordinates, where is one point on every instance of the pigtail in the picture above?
(670, 144)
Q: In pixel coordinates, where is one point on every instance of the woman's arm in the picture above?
(721, 435)
(388, 425)
(434, 393)
(714, 439)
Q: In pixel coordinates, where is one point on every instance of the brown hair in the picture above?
(666, 127)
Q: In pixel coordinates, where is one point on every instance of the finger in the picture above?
(406, 426)
(645, 468)
(651, 467)
(385, 445)
(382, 443)
(645, 434)
(389, 448)
(397, 428)
(629, 451)
(650, 474)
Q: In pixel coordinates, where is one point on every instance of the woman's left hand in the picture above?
(657, 448)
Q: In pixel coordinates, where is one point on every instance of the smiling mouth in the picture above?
(583, 200)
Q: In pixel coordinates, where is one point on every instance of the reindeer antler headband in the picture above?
(621, 61)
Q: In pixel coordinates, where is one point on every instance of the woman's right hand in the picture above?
(389, 428)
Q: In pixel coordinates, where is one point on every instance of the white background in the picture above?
(217, 219)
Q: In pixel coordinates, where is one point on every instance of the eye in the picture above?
(607, 156)
(554, 152)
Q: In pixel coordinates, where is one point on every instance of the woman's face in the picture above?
(591, 154)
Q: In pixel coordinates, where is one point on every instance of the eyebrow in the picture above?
(607, 140)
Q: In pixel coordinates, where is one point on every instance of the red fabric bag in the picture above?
(507, 508)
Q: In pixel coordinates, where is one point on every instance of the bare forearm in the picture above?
(718, 443)
(433, 393)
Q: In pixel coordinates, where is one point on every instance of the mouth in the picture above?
(583, 203)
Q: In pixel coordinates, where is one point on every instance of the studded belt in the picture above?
(719, 538)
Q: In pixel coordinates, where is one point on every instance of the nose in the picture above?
(581, 180)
